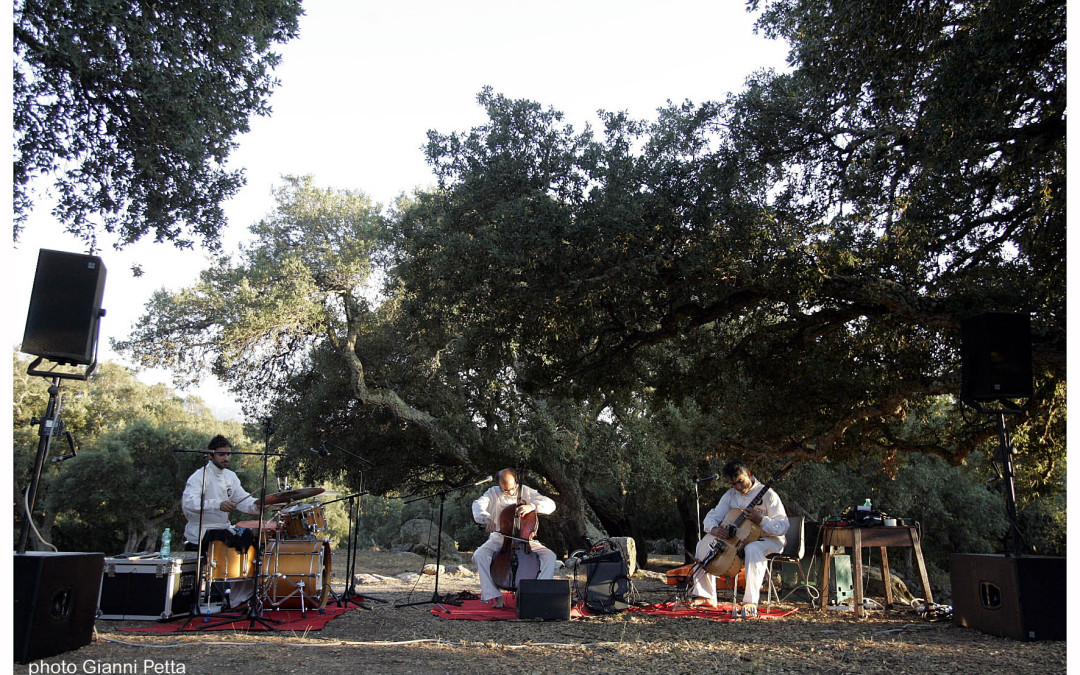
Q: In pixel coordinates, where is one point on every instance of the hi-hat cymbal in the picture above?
(286, 496)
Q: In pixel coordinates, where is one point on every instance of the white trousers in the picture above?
(756, 566)
(482, 559)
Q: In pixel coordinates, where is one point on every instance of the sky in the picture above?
(363, 84)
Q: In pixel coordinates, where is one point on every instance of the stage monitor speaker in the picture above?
(995, 356)
(1015, 597)
(547, 599)
(606, 583)
(56, 599)
(65, 307)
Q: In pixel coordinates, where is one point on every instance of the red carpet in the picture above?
(721, 613)
(478, 610)
(290, 620)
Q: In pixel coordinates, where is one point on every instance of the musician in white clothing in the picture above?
(486, 510)
(771, 517)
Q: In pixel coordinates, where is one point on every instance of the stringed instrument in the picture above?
(515, 560)
(725, 558)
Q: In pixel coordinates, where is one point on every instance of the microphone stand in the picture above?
(435, 599)
(350, 593)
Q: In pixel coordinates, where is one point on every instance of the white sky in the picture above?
(364, 82)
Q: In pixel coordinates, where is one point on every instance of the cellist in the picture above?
(769, 515)
(486, 510)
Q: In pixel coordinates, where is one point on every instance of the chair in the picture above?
(794, 550)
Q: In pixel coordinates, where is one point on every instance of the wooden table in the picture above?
(856, 537)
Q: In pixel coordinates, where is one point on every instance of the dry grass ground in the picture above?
(388, 639)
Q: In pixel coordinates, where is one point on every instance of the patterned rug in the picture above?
(279, 619)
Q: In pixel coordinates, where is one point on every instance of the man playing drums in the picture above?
(208, 500)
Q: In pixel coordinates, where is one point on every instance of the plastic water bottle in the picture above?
(166, 543)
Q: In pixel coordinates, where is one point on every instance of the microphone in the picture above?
(482, 481)
(707, 479)
(61, 458)
(321, 451)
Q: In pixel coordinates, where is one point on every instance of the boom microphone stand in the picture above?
(435, 599)
(350, 593)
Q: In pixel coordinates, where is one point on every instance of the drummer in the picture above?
(221, 495)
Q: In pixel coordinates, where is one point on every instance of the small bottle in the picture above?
(866, 506)
(166, 543)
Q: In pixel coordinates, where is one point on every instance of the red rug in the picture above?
(478, 610)
(284, 619)
(722, 613)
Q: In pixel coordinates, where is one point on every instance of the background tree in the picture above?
(132, 107)
(124, 486)
(780, 274)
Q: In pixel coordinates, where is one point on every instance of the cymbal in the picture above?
(287, 496)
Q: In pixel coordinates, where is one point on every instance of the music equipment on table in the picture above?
(725, 557)
(1022, 598)
(515, 560)
(547, 599)
(147, 588)
(297, 574)
(65, 307)
(302, 521)
(56, 597)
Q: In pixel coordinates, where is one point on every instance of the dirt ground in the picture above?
(390, 639)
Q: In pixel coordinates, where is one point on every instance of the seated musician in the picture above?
(486, 510)
(221, 494)
(772, 518)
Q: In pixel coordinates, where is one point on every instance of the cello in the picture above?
(725, 558)
(515, 560)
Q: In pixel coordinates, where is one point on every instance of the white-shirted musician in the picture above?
(486, 510)
(221, 495)
(769, 515)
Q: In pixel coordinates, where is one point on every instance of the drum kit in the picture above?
(296, 561)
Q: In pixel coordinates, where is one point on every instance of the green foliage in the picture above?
(132, 108)
(780, 274)
(124, 486)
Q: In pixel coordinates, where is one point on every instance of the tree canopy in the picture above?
(132, 107)
(780, 273)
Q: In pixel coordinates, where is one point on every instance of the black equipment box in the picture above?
(547, 599)
(1009, 596)
(147, 589)
(55, 599)
(606, 583)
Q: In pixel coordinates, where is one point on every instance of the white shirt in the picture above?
(489, 505)
(774, 522)
(222, 485)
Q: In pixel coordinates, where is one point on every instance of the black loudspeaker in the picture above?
(65, 307)
(995, 356)
(547, 599)
(56, 598)
(606, 583)
(1020, 598)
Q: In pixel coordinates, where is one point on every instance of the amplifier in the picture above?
(1015, 597)
(55, 601)
(547, 599)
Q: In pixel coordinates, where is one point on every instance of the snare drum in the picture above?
(225, 562)
(298, 574)
(303, 521)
